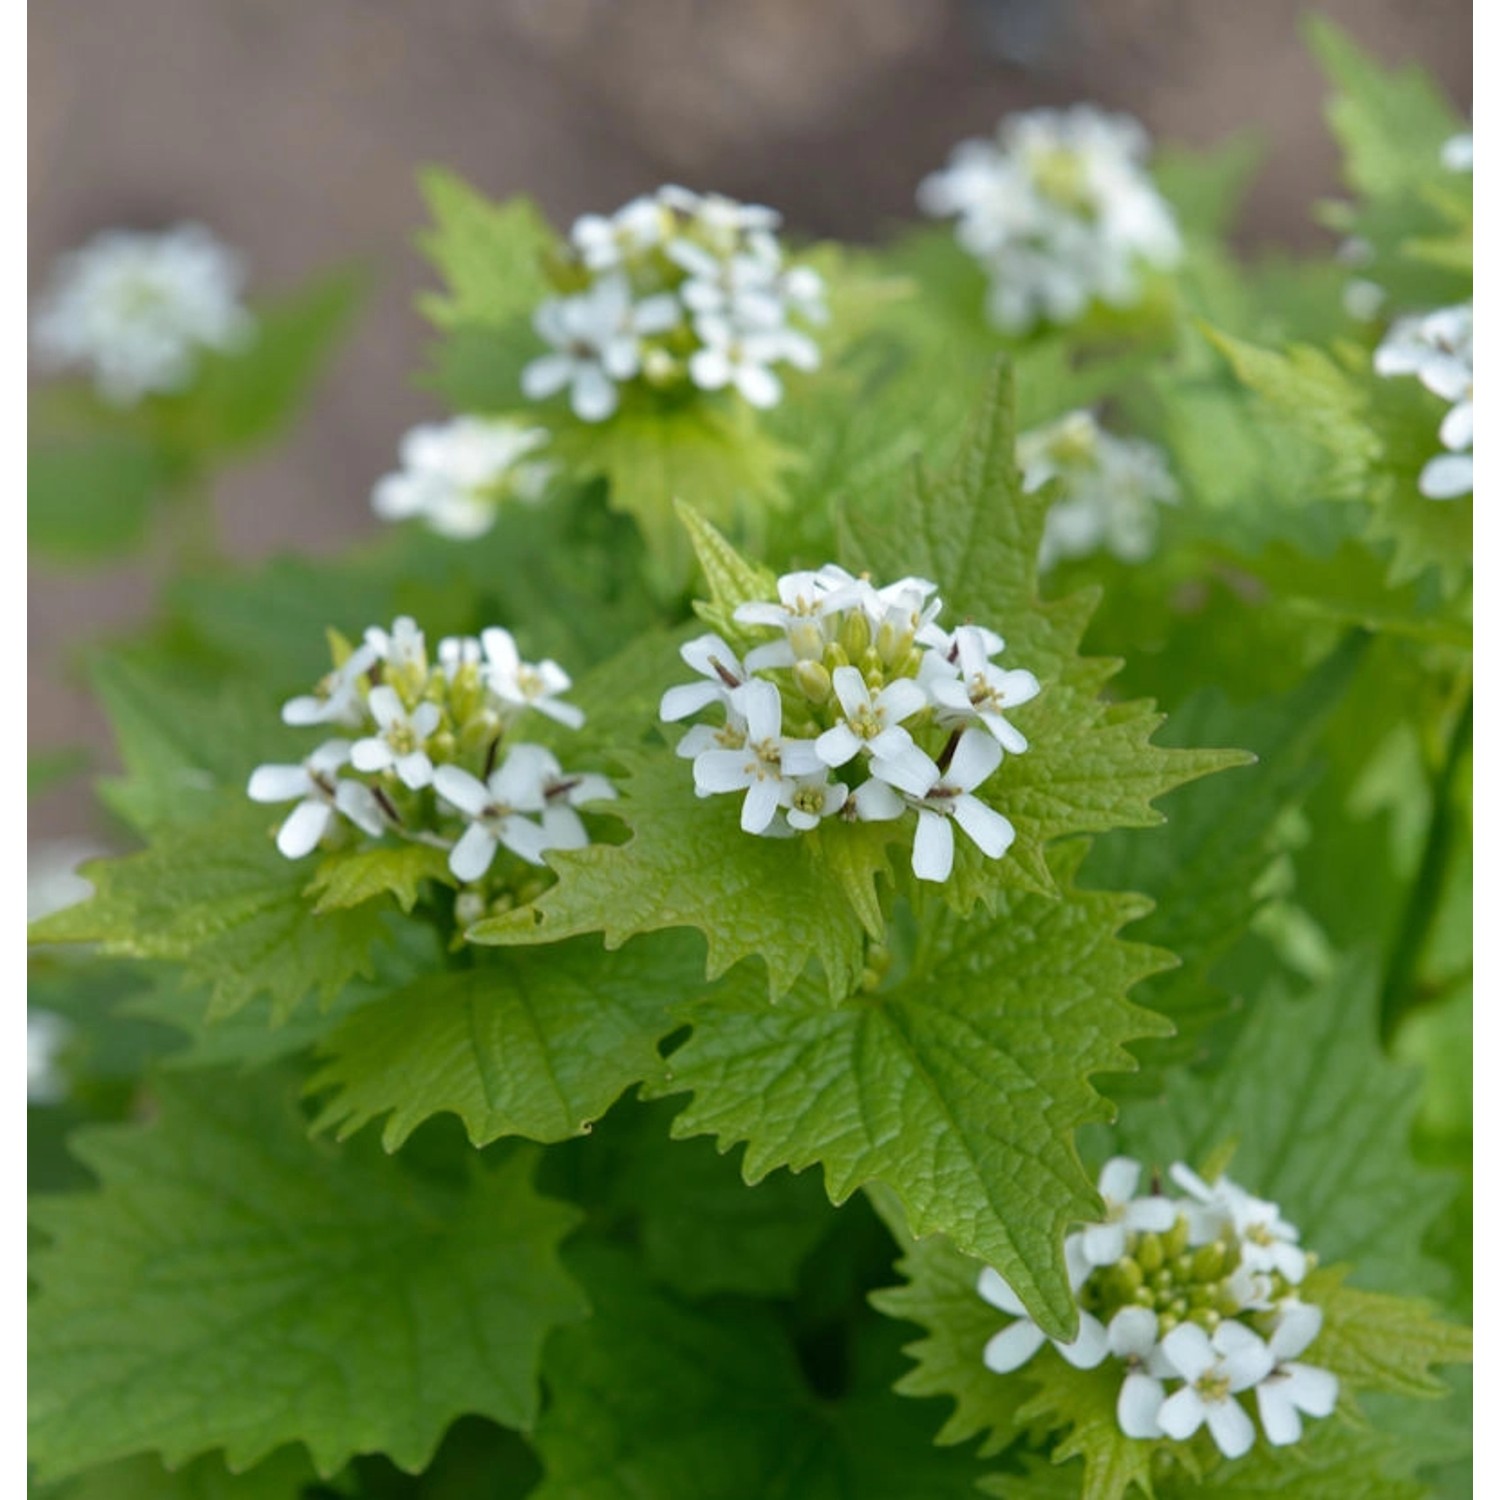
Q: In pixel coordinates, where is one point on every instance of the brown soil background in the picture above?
(294, 130)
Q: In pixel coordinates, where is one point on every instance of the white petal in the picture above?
(1104, 1244)
(901, 699)
(770, 656)
(372, 755)
(800, 758)
(1119, 1178)
(278, 783)
(1181, 1414)
(1232, 1429)
(386, 706)
(563, 828)
(990, 830)
(594, 395)
(1457, 430)
(1013, 1346)
(996, 1290)
(760, 703)
(1315, 1391)
(1297, 1326)
(757, 385)
(852, 690)
(723, 771)
(546, 376)
(932, 849)
(1446, 477)
(706, 654)
(524, 838)
(838, 746)
(357, 803)
(1278, 1412)
(875, 802)
(1188, 1348)
(1155, 1213)
(761, 802)
(1140, 1400)
(474, 853)
(911, 771)
(415, 770)
(1089, 1348)
(568, 714)
(467, 793)
(1132, 1333)
(300, 833)
(974, 760)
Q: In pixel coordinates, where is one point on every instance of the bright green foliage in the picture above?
(1322, 1122)
(654, 1398)
(534, 1042)
(353, 876)
(957, 1084)
(1091, 765)
(187, 742)
(283, 1476)
(218, 898)
(231, 1285)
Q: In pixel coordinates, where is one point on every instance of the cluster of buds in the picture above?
(853, 703)
(429, 756)
(1109, 488)
(1059, 210)
(675, 290)
(1201, 1294)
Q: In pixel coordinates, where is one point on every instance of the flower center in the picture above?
(1212, 1385)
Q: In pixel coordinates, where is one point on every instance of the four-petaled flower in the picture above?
(496, 809)
(1124, 1213)
(1293, 1388)
(766, 768)
(337, 698)
(399, 745)
(319, 794)
(1215, 1368)
(1018, 1341)
(981, 690)
(523, 684)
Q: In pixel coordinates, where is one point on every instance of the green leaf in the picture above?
(350, 877)
(539, 1043)
(1391, 122)
(948, 1360)
(90, 497)
(187, 743)
(232, 1285)
(1322, 1121)
(490, 255)
(217, 897)
(714, 455)
(957, 1084)
(653, 1398)
(283, 1476)
(688, 864)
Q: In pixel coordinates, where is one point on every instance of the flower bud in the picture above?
(1149, 1253)
(814, 680)
(855, 635)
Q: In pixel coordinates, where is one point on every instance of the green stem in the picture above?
(1401, 994)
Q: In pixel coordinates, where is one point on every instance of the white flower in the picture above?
(1124, 1213)
(596, 336)
(399, 746)
(322, 795)
(940, 796)
(1233, 1360)
(52, 879)
(1292, 1388)
(1132, 1340)
(524, 685)
(561, 793)
(455, 475)
(1267, 1242)
(1060, 211)
(337, 699)
(403, 647)
(605, 242)
(1457, 153)
(1015, 1344)
(1438, 348)
(766, 768)
(711, 657)
(47, 1033)
(870, 724)
(1109, 488)
(496, 808)
(137, 309)
(455, 652)
(980, 690)
(810, 799)
(742, 357)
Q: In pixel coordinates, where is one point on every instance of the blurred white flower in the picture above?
(135, 310)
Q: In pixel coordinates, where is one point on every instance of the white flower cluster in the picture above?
(1059, 210)
(430, 758)
(135, 309)
(1201, 1293)
(1438, 348)
(676, 289)
(857, 706)
(456, 475)
(1110, 488)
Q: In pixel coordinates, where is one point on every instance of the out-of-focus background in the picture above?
(294, 131)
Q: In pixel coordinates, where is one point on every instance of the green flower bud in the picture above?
(855, 635)
(835, 656)
(1176, 1238)
(815, 681)
(1208, 1263)
(1149, 1253)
